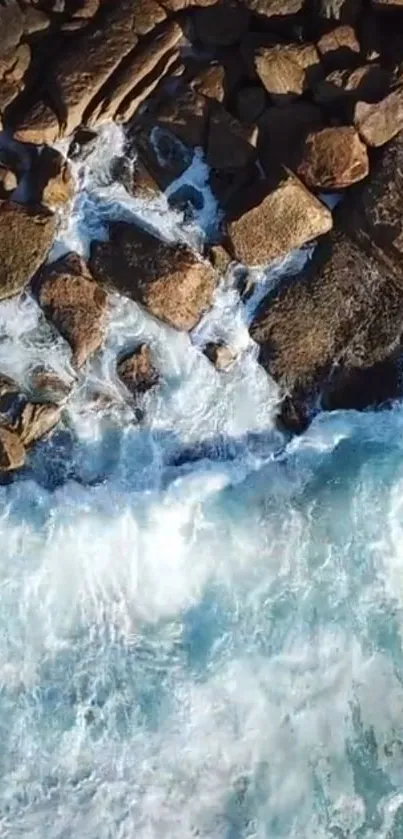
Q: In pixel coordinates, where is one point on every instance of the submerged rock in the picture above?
(137, 371)
(288, 217)
(75, 304)
(220, 354)
(169, 280)
(26, 235)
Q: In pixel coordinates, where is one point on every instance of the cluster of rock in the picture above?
(288, 100)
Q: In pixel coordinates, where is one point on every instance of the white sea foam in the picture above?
(200, 623)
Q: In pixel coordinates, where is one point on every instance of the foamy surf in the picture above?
(200, 632)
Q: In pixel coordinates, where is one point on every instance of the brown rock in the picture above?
(381, 5)
(339, 48)
(36, 420)
(35, 21)
(343, 88)
(137, 371)
(275, 8)
(251, 101)
(282, 134)
(18, 64)
(221, 355)
(143, 184)
(52, 178)
(374, 214)
(49, 386)
(11, 27)
(8, 181)
(169, 280)
(343, 311)
(87, 9)
(178, 5)
(334, 158)
(75, 304)
(221, 25)
(26, 235)
(185, 115)
(138, 66)
(211, 82)
(229, 143)
(169, 64)
(287, 218)
(39, 125)
(219, 258)
(287, 70)
(380, 122)
(12, 451)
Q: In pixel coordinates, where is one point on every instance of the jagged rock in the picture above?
(137, 371)
(8, 181)
(287, 218)
(345, 11)
(139, 66)
(39, 125)
(169, 280)
(26, 235)
(211, 82)
(251, 101)
(221, 25)
(339, 48)
(164, 155)
(343, 311)
(52, 180)
(36, 420)
(287, 70)
(275, 8)
(219, 258)
(374, 214)
(185, 115)
(142, 183)
(380, 122)
(12, 451)
(79, 73)
(75, 304)
(49, 386)
(220, 354)
(169, 65)
(230, 145)
(334, 158)
(283, 132)
(343, 88)
(87, 9)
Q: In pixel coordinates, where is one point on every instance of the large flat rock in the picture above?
(169, 280)
(26, 235)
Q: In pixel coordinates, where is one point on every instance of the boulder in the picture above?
(169, 280)
(39, 125)
(334, 158)
(52, 182)
(288, 217)
(8, 181)
(35, 421)
(251, 101)
(230, 145)
(185, 115)
(379, 122)
(12, 450)
(75, 304)
(273, 9)
(340, 90)
(287, 70)
(339, 48)
(221, 355)
(137, 371)
(373, 216)
(343, 312)
(48, 386)
(26, 235)
(140, 69)
(221, 25)
(87, 9)
(211, 82)
(80, 71)
(282, 134)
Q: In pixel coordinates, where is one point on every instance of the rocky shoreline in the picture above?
(291, 103)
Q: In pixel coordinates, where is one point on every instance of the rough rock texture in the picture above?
(12, 450)
(185, 115)
(49, 386)
(211, 82)
(345, 310)
(26, 235)
(275, 8)
(137, 371)
(36, 420)
(283, 132)
(334, 158)
(339, 48)
(374, 214)
(170, 281)
(52, 181)
(8, 181)
(221, 355)
(288, 217)
(378, 123)
(287, 70)
(75, 304)
(340, 90)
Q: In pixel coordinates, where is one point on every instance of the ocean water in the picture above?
(200, 619)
